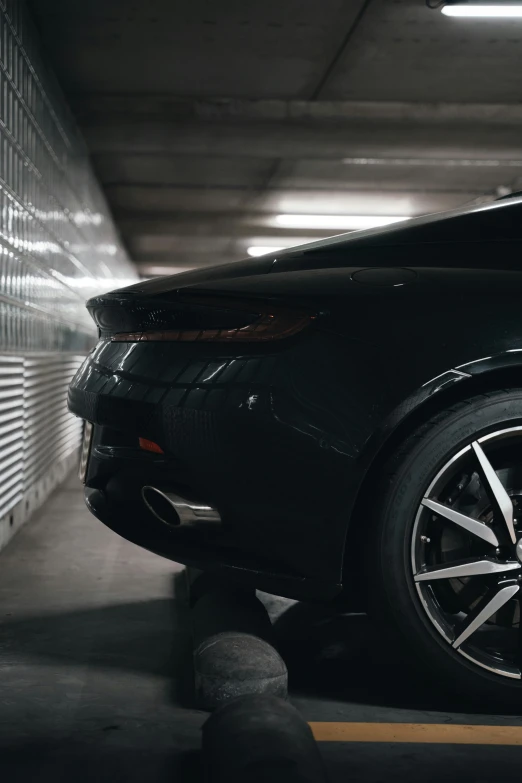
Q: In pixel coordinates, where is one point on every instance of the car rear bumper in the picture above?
(246, 447)
(232, 565)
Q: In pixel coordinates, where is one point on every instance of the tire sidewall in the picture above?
(412, 471)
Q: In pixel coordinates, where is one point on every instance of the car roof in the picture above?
(493, 222)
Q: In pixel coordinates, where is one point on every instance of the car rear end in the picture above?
(201, 447)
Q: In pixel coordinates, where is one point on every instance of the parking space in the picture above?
(96, 674)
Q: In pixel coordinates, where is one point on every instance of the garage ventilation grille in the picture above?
(36, 429)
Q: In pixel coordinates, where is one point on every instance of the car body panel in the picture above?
(280, 437)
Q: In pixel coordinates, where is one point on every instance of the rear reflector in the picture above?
(268, 326)
(149, 445)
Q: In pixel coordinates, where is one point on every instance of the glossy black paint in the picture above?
(287, 439)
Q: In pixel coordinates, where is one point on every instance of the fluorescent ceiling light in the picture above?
(346, 222)
(477, 10)
(261, 250)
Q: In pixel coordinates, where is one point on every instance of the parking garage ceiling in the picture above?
(206, 120)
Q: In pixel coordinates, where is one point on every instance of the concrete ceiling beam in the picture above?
(296, 140)
(98, 108)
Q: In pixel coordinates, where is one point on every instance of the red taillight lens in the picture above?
(149, 445)
(273, 325)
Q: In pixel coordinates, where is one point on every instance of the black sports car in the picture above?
(341, 418)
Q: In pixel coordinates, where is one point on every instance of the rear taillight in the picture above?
(273, 324)
(149, 445)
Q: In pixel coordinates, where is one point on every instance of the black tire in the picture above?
(393, 597)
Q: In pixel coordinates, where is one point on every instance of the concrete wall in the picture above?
(58, 246)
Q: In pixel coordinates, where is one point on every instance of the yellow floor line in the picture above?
(447, 733)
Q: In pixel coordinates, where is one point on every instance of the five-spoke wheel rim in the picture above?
(466, 552)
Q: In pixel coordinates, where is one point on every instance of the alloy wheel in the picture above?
(466, 552)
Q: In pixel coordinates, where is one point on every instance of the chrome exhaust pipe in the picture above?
(173, 510)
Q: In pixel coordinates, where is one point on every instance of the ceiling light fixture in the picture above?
(261, 250)
(346, 222)
(483, 10)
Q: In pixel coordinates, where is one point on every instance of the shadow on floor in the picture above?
(330, 656)
(48, 761)
(342, 658)
(138, 636)
(95, 695)
(150, 637)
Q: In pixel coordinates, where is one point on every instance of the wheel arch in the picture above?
(485, 378)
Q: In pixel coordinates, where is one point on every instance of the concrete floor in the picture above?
(95, 673)
(93, 653)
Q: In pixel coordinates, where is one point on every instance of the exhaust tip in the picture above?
(160, 505)
(173, 510)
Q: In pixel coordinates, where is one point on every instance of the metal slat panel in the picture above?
(51, 431)
(10, 427)
(11, 499)
(9, 447)
(11, 430)
(8, 405)
(58, 247)
(36, 428)
(11, 467)
(58, 452)
(44, 442)
(8, 485)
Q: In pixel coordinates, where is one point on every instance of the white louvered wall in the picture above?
(39, 438)
(58, 247)
(11, 432)
(50, 432)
